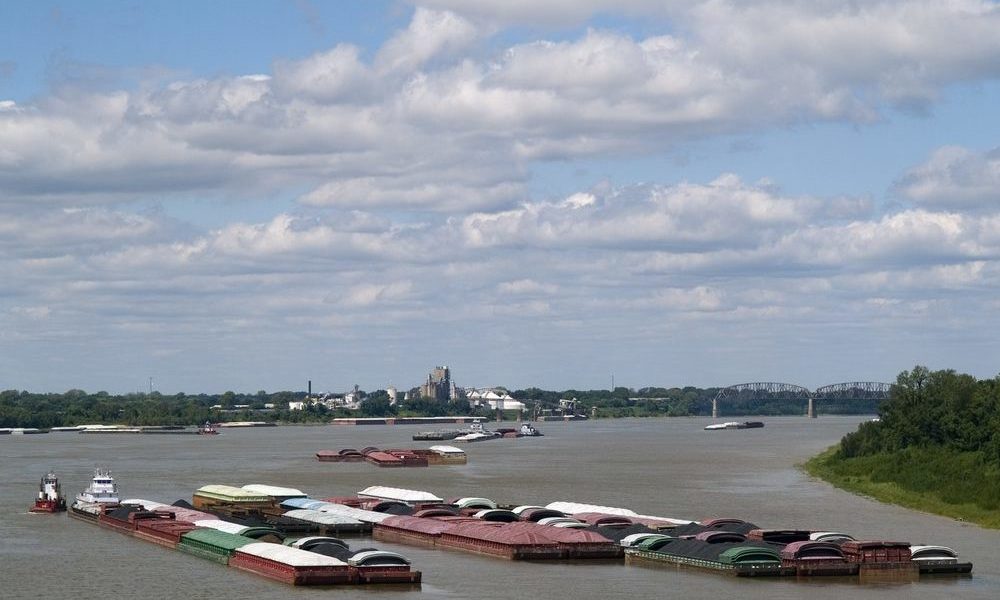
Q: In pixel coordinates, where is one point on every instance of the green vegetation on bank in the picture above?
(678, 402)
(936, 448)
(77, 407)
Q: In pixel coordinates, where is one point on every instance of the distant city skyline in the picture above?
(249, 196)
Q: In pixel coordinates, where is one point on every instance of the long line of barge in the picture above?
(557, 531)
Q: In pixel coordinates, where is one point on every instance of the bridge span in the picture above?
(768, 390)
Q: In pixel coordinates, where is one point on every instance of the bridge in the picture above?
(762, 391)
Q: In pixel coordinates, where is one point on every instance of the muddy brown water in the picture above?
(667, 467)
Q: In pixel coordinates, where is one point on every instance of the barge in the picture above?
(396, 457)
(165, 532)
(735, 425)
(558, 531)
(209, 496)
(212, 544)
(446, 455)
(381, 492)
(740, 559)
(436, 436)
(327, 523)
(345, 455)
(21, 431)
(290, 565)
(401, 420)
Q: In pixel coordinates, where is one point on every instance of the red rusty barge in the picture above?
(514, 541)
(290, 565)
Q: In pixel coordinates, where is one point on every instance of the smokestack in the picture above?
(310, 389)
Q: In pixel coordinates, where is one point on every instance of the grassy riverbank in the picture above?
(960, 485)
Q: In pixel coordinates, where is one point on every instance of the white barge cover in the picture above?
(274, 491)
(377, 558)
(473, 502)
(287, 555)
(446, 450)
(220, 525)
(933, 553)
(572, 508)
(390, 493)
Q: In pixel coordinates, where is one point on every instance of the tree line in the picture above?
(935, 447)
(77, 407)
(933, 409)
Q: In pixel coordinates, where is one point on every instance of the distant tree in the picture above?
(376, 407)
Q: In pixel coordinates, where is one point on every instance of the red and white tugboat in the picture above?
(50, 498)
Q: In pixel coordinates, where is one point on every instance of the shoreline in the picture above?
(889, 492)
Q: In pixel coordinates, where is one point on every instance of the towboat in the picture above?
(100, 496)
(527, 430)
(50, 498)
(102, 489)
(477, 433)
(207, 429)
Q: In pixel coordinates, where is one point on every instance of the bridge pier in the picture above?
(811, 412)
(715, 408)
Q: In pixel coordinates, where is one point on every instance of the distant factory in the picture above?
(439, 386)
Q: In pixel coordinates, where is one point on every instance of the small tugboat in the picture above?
(528, 430)
(101, 495)
(50, 498)
(207, 429)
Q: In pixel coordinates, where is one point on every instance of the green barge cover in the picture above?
(211, 544)
(750, 554)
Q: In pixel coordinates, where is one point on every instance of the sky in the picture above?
(251, 195)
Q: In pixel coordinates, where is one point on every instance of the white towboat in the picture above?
(102, 489)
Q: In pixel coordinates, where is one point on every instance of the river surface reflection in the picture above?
(668, 467)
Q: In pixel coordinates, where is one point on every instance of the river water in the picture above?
(667, 466)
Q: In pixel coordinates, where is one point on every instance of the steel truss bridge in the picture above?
(767, 390)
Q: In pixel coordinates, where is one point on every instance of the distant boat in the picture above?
(477, 433)
(735, 425)
(207, 429)
(528, 430)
